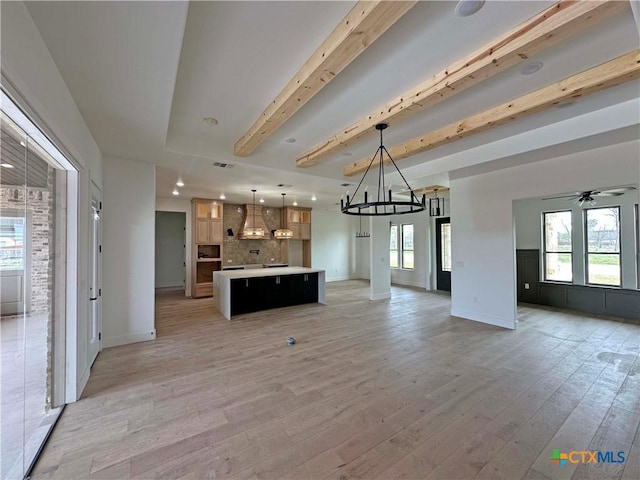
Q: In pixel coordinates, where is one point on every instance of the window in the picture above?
(407, 246)
(401, 248)
(602, 227)
(393, 247)
(12, 234)
(557, 246)
(445, 235)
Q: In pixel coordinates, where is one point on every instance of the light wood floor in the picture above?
(387, 389)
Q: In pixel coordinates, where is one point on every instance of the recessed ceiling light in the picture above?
(222, 197)
(180, 183)
(295, 204)
(313, 199)
(6, 165)
(346, 154)
(530, 68)
(210, 121)
(466, 8)
(22, 143)
(175, 192)
(290, 140)
(261, 200)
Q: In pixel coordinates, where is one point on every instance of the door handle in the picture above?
(92, 299)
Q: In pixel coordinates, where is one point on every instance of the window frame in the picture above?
(399, 252)
(545, 251)
(585, 215)
(402, 247)
(397, 249)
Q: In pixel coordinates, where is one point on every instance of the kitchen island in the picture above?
(243, 291)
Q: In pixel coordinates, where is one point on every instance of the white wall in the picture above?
(333, 244)
(483, 246)
(180, 205)
(128, 253)
(528, 225)
(31, 77)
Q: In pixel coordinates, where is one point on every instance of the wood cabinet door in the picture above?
(202, 231)
(215, 231)
(305, 231)
(293, 216)
(295, 228)
(202, 210)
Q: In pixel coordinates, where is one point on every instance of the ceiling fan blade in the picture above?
(608, 194)
(562, 196)
(620, 190)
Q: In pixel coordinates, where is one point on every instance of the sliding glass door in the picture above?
(32, 255)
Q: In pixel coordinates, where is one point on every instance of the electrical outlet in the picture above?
(526, 286)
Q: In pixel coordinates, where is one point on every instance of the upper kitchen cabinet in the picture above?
(208, 221)
(299, 221)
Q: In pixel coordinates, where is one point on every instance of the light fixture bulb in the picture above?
(222, 197)
(261, 200)
(295, 204)
(175, 192)
(180, 183)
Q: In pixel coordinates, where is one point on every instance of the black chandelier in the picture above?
(382, 205)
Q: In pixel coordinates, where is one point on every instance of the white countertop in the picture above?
(265, 272)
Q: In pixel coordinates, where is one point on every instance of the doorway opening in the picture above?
(171, 257)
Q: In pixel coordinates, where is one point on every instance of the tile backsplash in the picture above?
(238, 252)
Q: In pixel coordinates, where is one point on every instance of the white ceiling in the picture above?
(145, 74)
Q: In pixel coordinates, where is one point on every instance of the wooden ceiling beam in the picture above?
(609, 74)
(557, 23)
(366, 21)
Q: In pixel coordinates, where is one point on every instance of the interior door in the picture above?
(95, 266)
(443, 254)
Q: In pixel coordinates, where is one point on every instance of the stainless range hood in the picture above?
(253, 218)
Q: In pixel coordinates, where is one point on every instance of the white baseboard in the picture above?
(410, 284)
(339, 278)
(380, 296)
(178, 284)
(129, 338)
(484, 318)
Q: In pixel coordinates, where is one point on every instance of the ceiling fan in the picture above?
(587, 197)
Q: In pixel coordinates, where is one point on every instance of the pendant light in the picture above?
(282, 233)
(360, 233)
(381, 204)
(436, 205)
(254, 232)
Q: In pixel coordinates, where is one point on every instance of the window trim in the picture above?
(545, 252)
(402, 249)
(397, 250)
(587, 252)
(400, 243)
